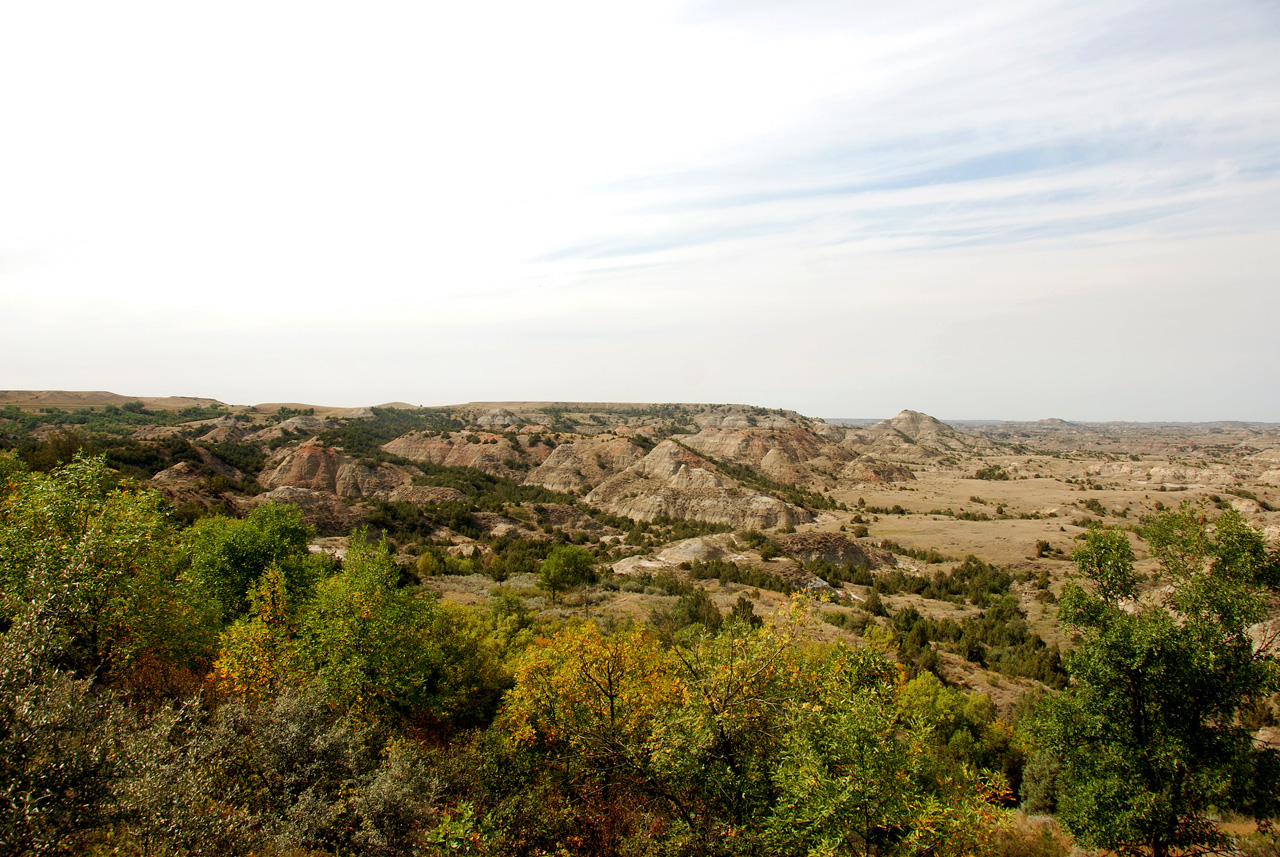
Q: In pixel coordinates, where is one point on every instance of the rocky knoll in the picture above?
(744, 416)
(499, 418)
(675, 482)
(915, 435)
(321, 468)
(867, 468)
(797, 456)
(585, 463)
(677, 557)
(426, 494)
(186, 472)
(834, 548)
(1217, 475)
(217, 430)
(722, 546)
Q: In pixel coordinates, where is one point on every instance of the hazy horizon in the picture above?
(1001, 210)
(829, 418)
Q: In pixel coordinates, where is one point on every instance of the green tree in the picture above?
(99, 561)
(564, 568)
(56, 754)
(389, 654)
(857, 777)
(1146, 742)
(258, 651)
(229, 555)
(88, 591)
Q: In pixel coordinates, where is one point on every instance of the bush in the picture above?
(694, 608)
(730, 572)
(565, 567)
(1028, 838)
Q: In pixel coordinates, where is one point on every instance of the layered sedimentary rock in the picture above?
(495, 454)
(585, 463)
(867, 468)
(426, 494)
(1193, 476)
(793, 456)
(751, 446)
(321, 468)
(498, 418)
(914, 435)
(675, 482)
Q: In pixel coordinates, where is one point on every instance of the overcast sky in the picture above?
(979, 210)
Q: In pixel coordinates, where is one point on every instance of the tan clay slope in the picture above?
(320, 468)
(677, 483)
(915, 436)
(585, 463)
(793, 455)
(494, 454)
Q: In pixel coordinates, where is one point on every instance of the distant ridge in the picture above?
(35, 399)
(859, 422)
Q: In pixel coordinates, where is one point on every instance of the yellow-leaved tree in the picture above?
(751, 740)
(258, 651)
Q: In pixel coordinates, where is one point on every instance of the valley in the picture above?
(418, 625)
(472, 496)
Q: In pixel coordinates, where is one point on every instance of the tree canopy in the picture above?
(1147, 739)
(565, 567)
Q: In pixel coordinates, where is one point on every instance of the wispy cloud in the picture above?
(724, 189)
(1153, 109)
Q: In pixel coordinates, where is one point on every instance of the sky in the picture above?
(1002, 210)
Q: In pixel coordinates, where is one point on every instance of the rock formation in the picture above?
(584, 463)
(835, 548)
(321, 468)
(867, 469)
(916, 436)
(493, 453)
(677, 483)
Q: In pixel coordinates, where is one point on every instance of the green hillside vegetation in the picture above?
(218, 688)
(364, 438)
(109, 419)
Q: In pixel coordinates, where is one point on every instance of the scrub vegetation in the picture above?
(220, 689)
